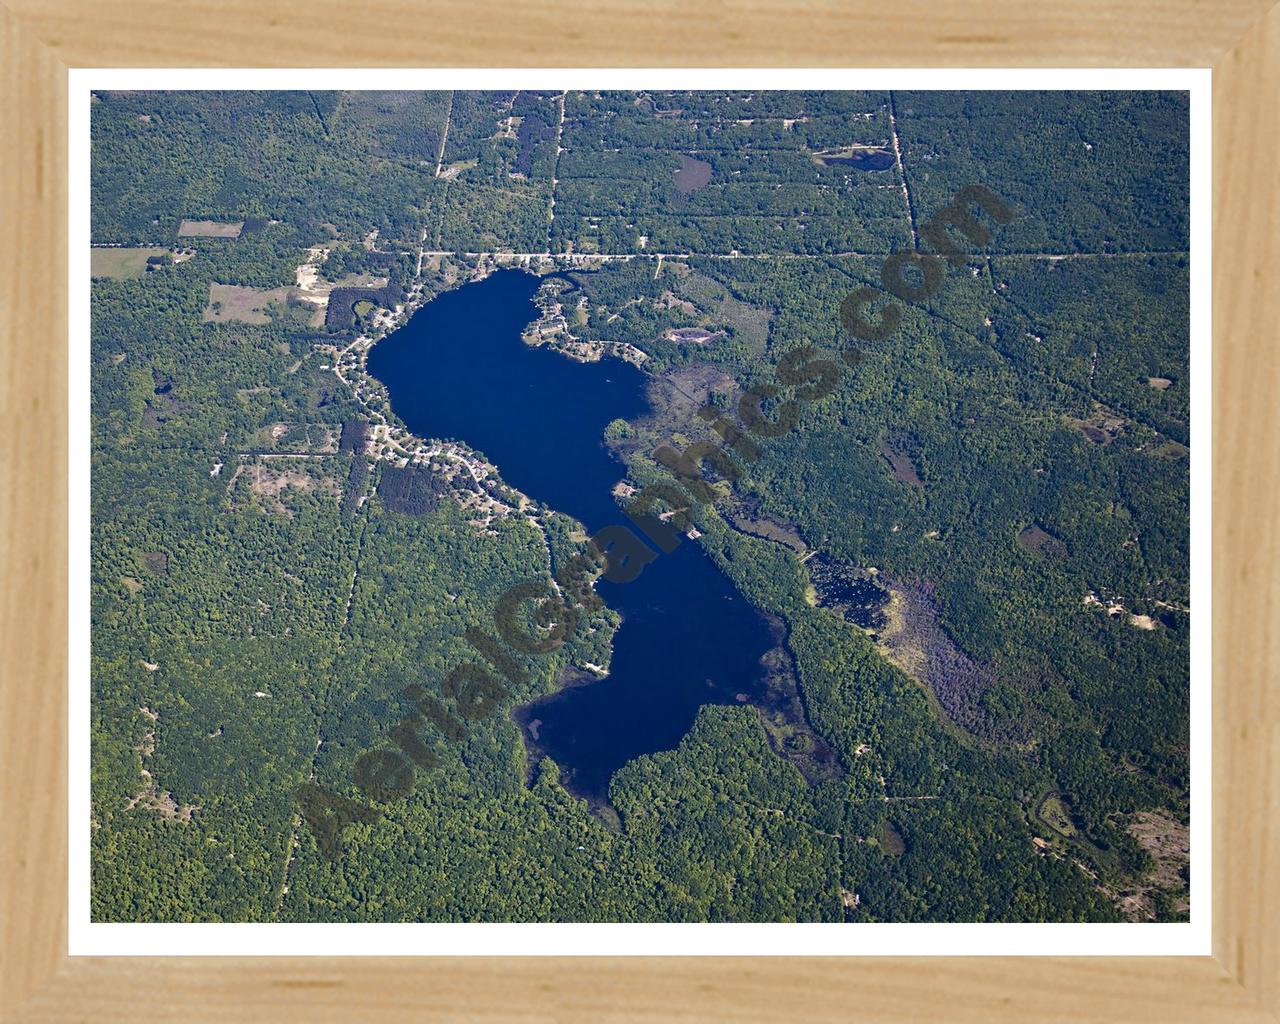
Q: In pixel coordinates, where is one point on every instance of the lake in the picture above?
(692, 175)
(459, 370)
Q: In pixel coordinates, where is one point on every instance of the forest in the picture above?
(1007, 475)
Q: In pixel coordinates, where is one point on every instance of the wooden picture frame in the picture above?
(41, 39)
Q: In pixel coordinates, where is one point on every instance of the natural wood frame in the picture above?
(40, 39)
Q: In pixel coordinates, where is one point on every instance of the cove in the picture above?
(459, 370)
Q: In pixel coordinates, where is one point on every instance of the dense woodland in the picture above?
(263, 591)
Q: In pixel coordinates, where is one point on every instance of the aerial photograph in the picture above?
(650, 506)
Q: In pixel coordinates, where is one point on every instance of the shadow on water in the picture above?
(860, 160)
(458, 369)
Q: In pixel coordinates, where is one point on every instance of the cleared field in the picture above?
(310, 438)
(1054, 813)
(276, 486)
(209, 229)
(121, 264)
(233, 302)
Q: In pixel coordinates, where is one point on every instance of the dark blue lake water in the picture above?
(459, 370)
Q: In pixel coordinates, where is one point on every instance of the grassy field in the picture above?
(1054, 813)
(121, 263)
(209, 229)
(229, 302)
